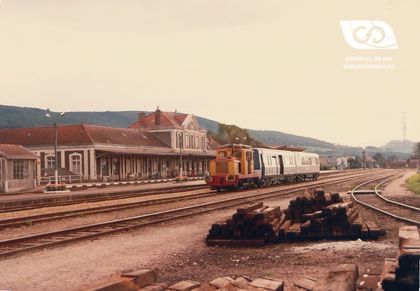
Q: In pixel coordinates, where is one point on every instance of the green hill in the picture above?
(13, 117)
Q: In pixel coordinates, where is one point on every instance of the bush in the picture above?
(179, 179)
(413, 183)
(54, 187)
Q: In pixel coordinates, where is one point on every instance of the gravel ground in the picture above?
(177, 251)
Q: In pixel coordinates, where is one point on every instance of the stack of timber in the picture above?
(310, 203)
(252, 225)
(403, 273)
(312, 216)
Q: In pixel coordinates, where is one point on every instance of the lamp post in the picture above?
(55, 119)
(181, 144)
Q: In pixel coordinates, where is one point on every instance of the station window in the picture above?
(20, 169)
(76, 163)
(50, 162)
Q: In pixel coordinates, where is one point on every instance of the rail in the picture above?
(377, 193)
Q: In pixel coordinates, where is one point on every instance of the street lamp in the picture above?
(55, 119)
(181, 145)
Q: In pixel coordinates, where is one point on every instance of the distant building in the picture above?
(327, 162)
(149, 148)
(343, 162)
(17, 168)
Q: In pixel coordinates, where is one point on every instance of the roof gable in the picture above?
(167, 120)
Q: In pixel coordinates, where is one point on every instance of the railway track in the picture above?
(377, 202)
(33, 219)
(60, 237)
(69, 200)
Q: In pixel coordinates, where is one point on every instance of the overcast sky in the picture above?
(258, 64)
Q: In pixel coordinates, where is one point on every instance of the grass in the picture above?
(413, 183)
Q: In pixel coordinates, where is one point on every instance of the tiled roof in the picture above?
(82, 134)
(122, 136)
(167, 120)
(39, 136)
(16, 152)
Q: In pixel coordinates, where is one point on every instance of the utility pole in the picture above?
(404, 125)
(181, 145)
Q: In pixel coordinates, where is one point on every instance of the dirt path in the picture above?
(396, 188)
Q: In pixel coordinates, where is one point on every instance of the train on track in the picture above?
(239, 166)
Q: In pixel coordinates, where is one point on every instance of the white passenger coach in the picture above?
(275, 166)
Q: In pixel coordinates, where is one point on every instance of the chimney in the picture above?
(141, 115)
(158, 114)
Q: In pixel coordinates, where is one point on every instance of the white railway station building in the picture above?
(150, 148)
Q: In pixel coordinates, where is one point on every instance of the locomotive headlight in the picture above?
(230, 178)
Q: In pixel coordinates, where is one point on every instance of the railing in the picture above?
(62, 179)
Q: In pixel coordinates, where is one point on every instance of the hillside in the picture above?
(12, 117)
(399, 146)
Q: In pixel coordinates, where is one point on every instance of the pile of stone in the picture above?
(314, 216)
(146, 280)
(402, 273)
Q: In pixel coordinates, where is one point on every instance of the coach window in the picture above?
(256, 160)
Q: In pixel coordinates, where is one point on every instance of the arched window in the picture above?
(76, 163)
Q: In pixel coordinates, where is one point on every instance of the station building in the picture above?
(151, 148)
(17, 168)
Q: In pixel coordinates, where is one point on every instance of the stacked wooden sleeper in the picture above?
(312, 216)
(402, 273)
(256, 223)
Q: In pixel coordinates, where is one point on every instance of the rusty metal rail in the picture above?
(388, 201)
(43, 240)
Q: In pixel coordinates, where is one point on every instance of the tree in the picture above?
(234, 134)
(379, 158)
